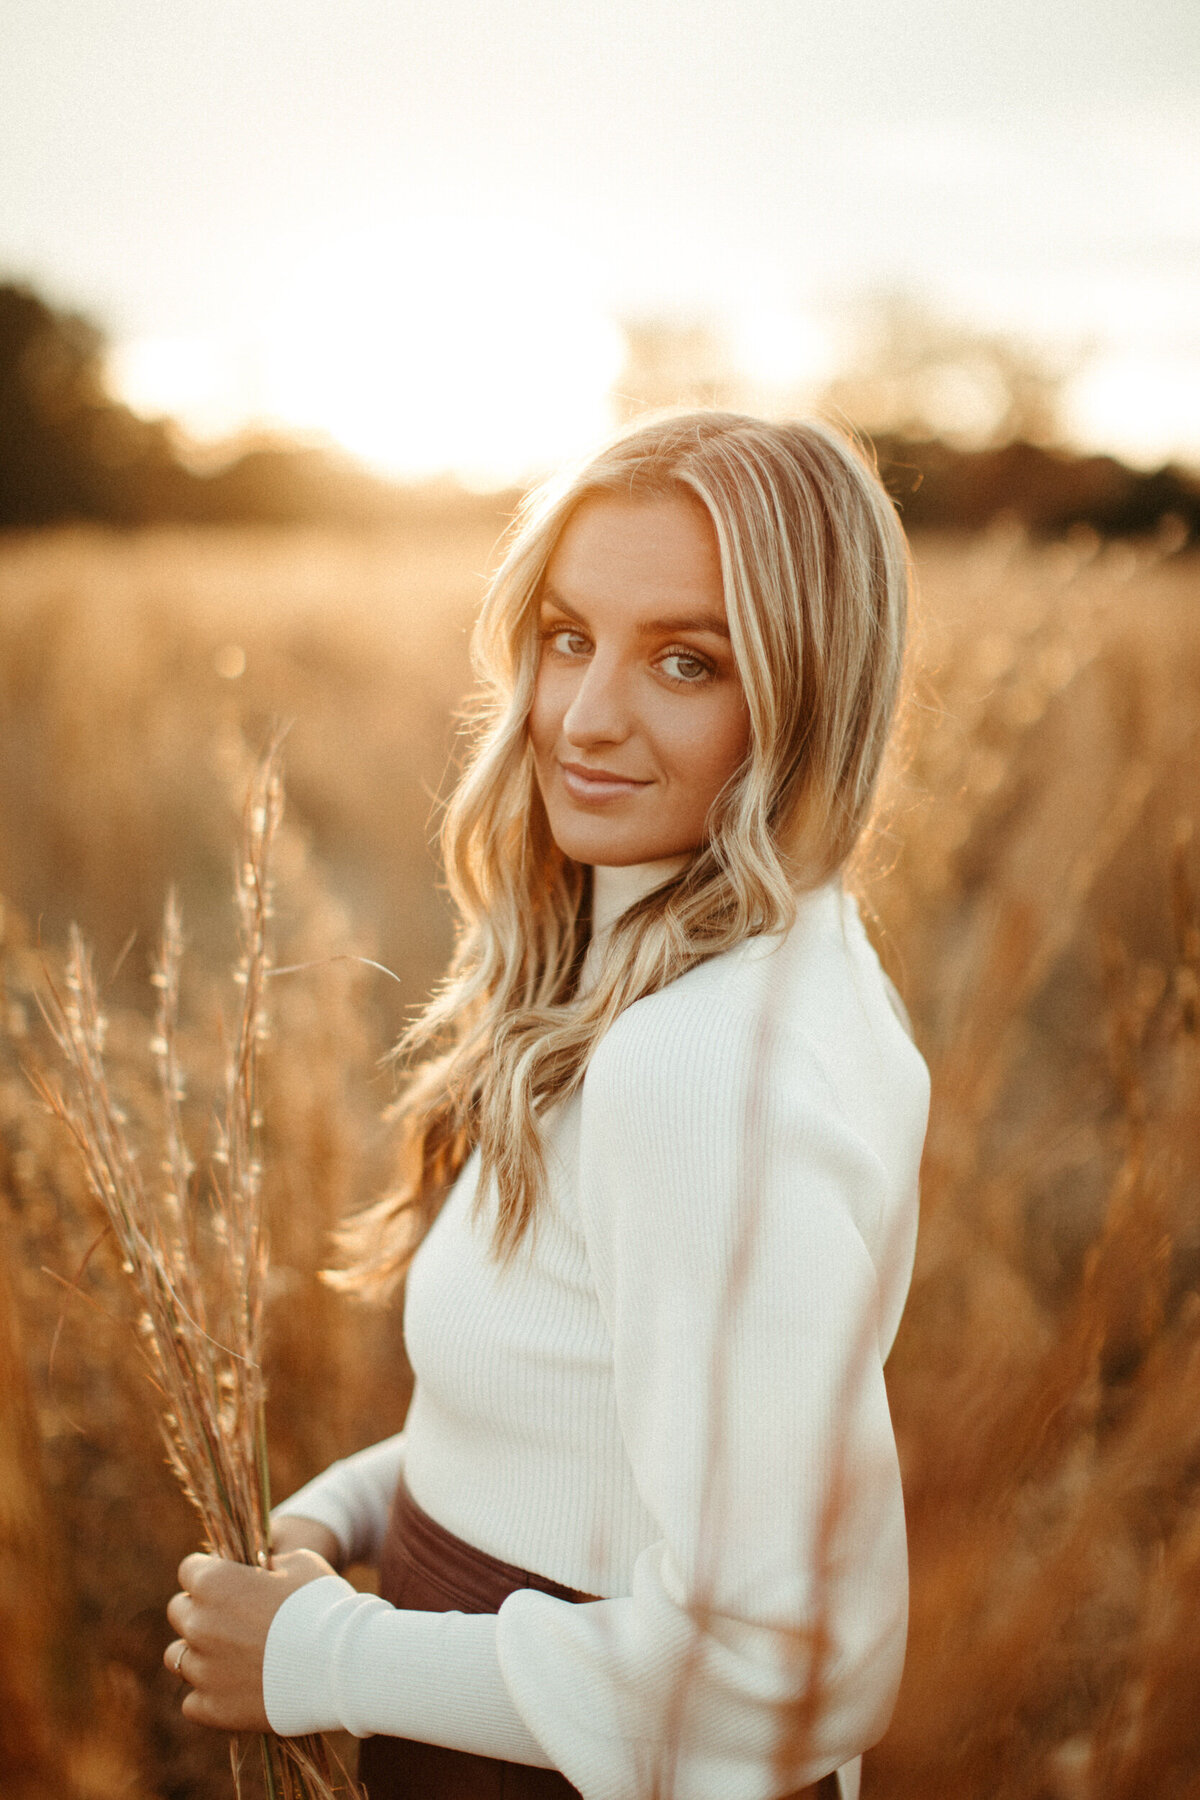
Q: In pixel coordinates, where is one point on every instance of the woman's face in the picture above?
(638, 716)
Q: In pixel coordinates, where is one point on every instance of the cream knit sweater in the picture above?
(673, 1399)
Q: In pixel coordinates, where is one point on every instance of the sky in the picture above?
(418, 226)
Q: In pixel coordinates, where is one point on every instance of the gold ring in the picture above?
(183, 1650)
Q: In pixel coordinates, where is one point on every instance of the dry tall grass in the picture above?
(1035, 895)
(197, 1259)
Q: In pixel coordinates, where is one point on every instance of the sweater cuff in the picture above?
(338, 1660)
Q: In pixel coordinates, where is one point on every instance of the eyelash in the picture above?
(550, 632)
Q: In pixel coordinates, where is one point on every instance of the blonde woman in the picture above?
(642, 1533)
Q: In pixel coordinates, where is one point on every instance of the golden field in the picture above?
(1033, 886)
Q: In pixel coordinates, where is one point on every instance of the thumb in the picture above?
(297, 1567)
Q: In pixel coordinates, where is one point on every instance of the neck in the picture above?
(615, 888)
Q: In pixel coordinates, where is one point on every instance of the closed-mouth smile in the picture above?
(583, 783)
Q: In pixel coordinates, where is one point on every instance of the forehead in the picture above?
(656, 553)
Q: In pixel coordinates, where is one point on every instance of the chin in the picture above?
(610, 850)
(608, 856)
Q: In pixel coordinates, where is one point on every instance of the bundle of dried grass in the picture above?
(197, 1258)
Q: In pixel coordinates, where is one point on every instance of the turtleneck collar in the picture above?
(614, 889)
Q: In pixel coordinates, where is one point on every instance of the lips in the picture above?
(595, 785)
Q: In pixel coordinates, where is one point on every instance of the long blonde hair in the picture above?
(816, 579)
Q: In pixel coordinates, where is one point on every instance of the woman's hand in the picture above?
(223, 1616)
(291, 1532)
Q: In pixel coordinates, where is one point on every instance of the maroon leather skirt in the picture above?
(425, 1568)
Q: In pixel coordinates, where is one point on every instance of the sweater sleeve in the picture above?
(732, 1213)
(338, 1660)
(353, 1498)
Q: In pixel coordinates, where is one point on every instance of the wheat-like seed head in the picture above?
(198, 1271)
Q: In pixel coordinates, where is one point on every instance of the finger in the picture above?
(192, 1569)
(212, 1580)
(301, 1566)
(193, 1708)
(185, 1662)
(201, 1710)
(180, 1610)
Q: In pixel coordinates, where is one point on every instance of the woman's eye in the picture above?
(566, 640)
(681, 666)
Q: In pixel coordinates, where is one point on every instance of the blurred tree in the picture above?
(1050, 492)
(917, 374)
(965, 422)
(67, 450)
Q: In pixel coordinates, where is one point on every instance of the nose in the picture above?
(599, 712)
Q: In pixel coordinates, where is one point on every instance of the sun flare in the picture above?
(445, 344)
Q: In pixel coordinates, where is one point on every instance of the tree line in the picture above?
(70, 451)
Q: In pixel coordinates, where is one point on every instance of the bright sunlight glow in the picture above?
(451, 344)
(447, 344)
(202, 382)
(464, 345)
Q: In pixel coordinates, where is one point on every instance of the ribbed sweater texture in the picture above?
(673, 1398)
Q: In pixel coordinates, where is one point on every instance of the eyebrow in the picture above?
(711, 622)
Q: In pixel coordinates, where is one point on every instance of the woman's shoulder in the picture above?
(812, 981)
(809, 1008)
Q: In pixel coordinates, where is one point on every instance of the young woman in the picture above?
(642, 1533)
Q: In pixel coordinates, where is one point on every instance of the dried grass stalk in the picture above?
(197, 1264)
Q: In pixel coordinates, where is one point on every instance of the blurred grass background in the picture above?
(1033, 888)
(453, 242)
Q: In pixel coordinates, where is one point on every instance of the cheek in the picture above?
(712, 748)
(545, 716)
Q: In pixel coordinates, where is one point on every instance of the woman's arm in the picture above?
(351, 1500)
(337, 1660)
(292, 1531)
(224, 1611)
(742, 1225)
(351, 1662)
